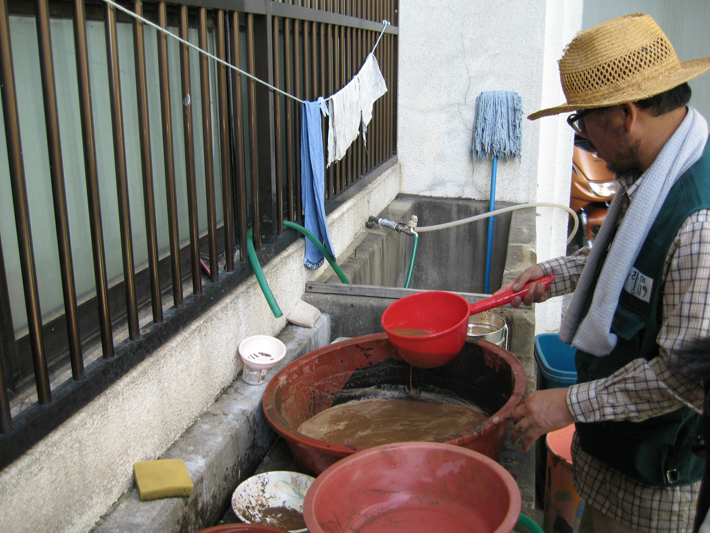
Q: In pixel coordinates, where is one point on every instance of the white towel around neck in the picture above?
(593, 334)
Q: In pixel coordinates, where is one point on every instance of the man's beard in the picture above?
(626, 164)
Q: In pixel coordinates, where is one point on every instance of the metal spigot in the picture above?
(399, 227)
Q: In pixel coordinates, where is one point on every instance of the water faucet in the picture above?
(400, 227)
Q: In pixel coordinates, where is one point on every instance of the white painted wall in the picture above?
(450, 52)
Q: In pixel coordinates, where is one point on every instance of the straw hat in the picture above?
(621, 60)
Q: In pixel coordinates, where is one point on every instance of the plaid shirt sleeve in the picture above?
(566, 271)
(644, 389)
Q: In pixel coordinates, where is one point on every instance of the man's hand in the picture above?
(536, 293)
(539, 413)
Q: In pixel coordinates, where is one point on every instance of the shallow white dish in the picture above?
(272, 499)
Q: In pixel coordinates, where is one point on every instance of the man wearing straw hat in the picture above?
(641, 296)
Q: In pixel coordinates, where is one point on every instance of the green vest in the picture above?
(655, 451)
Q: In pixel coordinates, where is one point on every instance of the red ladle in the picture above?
(428, 329)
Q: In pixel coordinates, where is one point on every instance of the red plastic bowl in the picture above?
(413, 487)
(443, 314)
(483, 373)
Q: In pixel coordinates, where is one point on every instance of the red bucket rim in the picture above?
(506, 477)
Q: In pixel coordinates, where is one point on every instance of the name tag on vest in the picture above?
(639, 285)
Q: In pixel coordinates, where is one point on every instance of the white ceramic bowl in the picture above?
(273, 499)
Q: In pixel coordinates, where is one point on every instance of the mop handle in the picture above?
(491, 207)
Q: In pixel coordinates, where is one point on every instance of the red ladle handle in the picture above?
(507, 297)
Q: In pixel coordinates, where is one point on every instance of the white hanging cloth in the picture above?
(344, 122)
(372, 86)
(351, 108)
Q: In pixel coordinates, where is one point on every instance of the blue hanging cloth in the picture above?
(313, 181)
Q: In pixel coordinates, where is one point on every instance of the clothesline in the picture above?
(222, 62)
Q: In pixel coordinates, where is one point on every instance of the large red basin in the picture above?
(482, 373)
(413, 487)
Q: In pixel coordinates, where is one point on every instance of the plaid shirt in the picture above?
(644, 389)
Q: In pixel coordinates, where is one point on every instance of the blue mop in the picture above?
(497, 132)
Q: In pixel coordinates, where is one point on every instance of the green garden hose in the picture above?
(411, 261)
(260, 275)
(320, 246)
(529, 523)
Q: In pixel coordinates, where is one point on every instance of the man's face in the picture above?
(605, 130)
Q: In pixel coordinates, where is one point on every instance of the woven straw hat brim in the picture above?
(687, 71)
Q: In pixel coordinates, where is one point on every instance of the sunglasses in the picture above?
(576, 120)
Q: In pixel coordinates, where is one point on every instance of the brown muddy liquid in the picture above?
(365, 423)
(411, 332)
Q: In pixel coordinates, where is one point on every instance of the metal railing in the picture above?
(239, 169)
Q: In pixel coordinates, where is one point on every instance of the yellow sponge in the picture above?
(163, 478)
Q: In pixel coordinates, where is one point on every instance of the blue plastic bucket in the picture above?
(555, 361)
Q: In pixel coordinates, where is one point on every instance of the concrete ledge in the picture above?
(223, 447)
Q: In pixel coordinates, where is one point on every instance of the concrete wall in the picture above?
(69, 479)
(452, 51)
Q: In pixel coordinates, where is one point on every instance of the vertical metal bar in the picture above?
(168, 156)
(392, 95)
(277, 116)
(327, 66)
(376, 110)
(207, 145)
(119, 156)
(340, 82)
(395, 85)
(224, 145)
(334, 74)
(314, 59)
(371, 137)
(352, 160)
(291, 159)
(56, 169)
(262, 56)
(22, 215)
(362, 160)
(241, 178)
(343, 168)
(384, 106)
(297, 120)
(388, 96)
(379, 113)
(7, 343)
(146, 163)
(349, 73)
(92, 181)
(323, 92)
(306, 77)
(189, 153)
(362, 56)
(256, 230)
